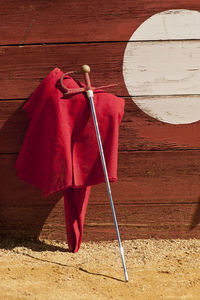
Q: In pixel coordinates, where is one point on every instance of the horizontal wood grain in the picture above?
(26, 221)
(24, 67)
(138, 131)
(157, 195)
(13, 126)
(133, 215)
(144, 221)
(143, 177)
(135, 221)
(107, 232)
(71, 21)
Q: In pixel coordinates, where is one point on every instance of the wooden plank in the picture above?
(26, 221)
(143, 221)
(157, 195)
(107, 232)
(135, 214)
(71, 21)
(13, 125)
(24, 67)
(143, 177)
(138, 131)
(148, 191)
(135, 221)
(162, 68)
(103, 233)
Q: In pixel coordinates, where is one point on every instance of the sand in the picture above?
(157, 269)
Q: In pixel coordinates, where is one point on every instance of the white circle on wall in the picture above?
(161, 66)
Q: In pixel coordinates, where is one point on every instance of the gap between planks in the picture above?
(133, 151)
(100, 42)
(126, 97)
(132, 224)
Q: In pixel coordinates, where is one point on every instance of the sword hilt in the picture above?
(85, 70)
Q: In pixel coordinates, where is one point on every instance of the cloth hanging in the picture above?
(60, 150)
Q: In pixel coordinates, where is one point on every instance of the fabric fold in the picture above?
(75, 202)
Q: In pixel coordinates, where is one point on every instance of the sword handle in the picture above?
(86, 70)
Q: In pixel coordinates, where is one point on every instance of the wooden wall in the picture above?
(158, 189)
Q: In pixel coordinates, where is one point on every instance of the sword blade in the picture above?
(90, 97)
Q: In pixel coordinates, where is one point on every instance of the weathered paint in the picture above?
(30, 22)
(143, 177)
(174, 24)
(138, 131)
(167, 67)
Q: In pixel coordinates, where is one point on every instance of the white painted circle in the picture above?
(161, 66)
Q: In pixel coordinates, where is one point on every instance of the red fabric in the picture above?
(76, 201)
(60, 150)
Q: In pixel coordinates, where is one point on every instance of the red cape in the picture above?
(60, 150)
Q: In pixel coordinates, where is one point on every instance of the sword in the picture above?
(90, 95)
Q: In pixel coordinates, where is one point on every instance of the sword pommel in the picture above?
(85, 69)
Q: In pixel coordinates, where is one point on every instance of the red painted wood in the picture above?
(71, 21)
(156, 196)
(143, 177)
(13, 126)
(28, 221)
(143, 221)
(135, 214)
(24, 67)
(156, 190)
(137, 130)
(102, 233)
(135, 221)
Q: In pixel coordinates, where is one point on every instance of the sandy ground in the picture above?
(157, 269)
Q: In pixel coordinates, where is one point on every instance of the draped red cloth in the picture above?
(60, 150)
